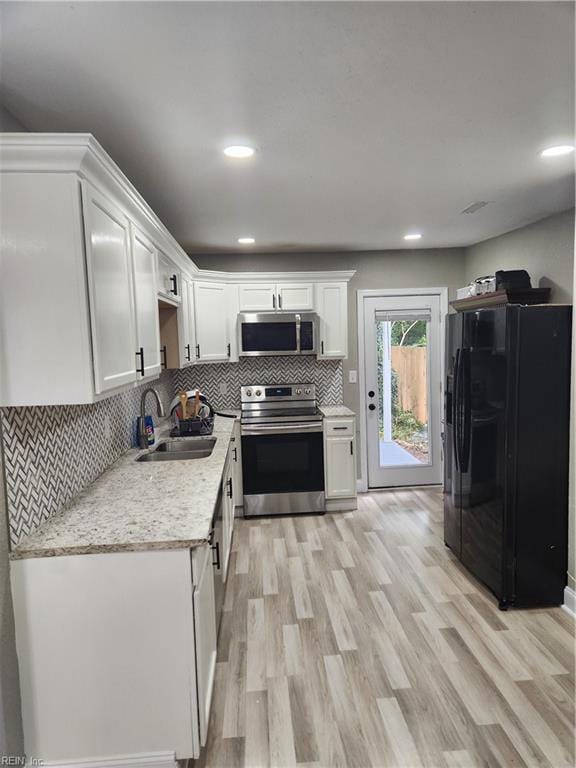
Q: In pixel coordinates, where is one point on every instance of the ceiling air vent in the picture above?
(475, 206)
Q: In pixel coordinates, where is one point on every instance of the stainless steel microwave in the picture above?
(277, 333)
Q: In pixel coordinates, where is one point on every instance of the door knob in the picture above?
(371, 407)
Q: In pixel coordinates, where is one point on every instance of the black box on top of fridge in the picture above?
(506, 441)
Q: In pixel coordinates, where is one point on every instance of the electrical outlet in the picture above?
(223, 388)
(352, 377)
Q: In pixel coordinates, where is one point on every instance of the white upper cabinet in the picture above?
(269, 297)
(332, 307)
(186, 324)
(257, 297)
(293, 297)
(146, 305)
(110, 289)
(168, 279)
(211, 312)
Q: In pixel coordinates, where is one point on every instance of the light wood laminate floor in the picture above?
(356, 639)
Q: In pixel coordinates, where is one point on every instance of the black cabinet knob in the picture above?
(371, 393)
(371, 407)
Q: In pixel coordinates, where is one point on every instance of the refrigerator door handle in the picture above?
(466, 411)
(456, 410)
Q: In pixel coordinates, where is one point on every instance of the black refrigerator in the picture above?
(506, 442)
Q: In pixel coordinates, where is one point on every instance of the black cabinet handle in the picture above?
(273, 301)
(322, 347)
(216, 563)
(335, 428)
(279, 301)
(187, 348)
(229, 484)
(163, 362)
(229, 352)
(174, 281)
(351, 447)
(371, 407)
(235, 454)
(140, 368)
(371, 393)
(197, 350)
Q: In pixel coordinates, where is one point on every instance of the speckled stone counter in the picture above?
(335, 410)
(138, 506)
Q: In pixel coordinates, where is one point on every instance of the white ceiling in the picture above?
(371, 119)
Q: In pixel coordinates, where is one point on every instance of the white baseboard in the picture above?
(361, 485)
(143, 760)
(570, 601)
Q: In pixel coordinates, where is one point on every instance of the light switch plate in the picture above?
(352, 377)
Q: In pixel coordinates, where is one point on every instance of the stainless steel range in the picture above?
(282, 450)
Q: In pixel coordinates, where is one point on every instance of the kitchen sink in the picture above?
(178, 450)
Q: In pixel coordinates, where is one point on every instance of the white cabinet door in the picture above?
(168, 279)
(340, 467)
(227, 511)
(236, 445)
(257, 297)
(205, 636)
(146, 306)
(332, 307)
(211, 312)
(110, 291)
(186, 321)
(295, 296)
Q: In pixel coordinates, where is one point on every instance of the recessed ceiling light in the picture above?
(561, 149)
(239, 151)
(246, 240)
(413, 236)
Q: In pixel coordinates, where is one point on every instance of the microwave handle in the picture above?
(298, 331)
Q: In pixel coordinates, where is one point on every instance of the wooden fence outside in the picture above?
(410, 363)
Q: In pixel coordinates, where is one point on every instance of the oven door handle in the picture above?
(282, 429)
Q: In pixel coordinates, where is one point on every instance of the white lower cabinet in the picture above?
(205, 634)
(107, 653)
(340, 463)
(227, 511)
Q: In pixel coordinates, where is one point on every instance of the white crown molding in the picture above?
(82, 154)
(143, 760)
(570, 601)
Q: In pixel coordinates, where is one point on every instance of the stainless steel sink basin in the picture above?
(178, 450)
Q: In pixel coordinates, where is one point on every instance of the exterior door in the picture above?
(403, 390)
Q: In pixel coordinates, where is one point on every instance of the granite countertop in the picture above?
(136, 506)
(335, 410)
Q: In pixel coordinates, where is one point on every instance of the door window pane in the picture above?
(403, 407)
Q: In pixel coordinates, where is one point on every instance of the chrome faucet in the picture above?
(142, 436)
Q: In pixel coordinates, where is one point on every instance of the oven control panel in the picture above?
(277, 392)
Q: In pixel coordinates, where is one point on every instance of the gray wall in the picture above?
(8, 122)
(11, 740)
(545, 249)
(419, 268)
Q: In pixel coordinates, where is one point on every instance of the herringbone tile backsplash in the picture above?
(326, 374)
(52, 453)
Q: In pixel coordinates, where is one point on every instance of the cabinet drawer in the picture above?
(339, 427)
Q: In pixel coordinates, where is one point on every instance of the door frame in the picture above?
(361, 295)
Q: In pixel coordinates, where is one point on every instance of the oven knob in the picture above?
(298, 391)
(258, 392)
(249, 392)
(307, 391)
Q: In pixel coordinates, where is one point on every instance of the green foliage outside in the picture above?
(403, 333)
